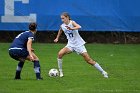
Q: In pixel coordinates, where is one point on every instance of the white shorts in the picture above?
(78, 50)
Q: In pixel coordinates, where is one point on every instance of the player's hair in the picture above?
(32, 26)
(66, 14)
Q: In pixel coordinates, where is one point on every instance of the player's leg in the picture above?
(37, 68)
(82, 50)
(93, 63)
(15, 54)
(61, 53)
(21, 56)
(19, 69)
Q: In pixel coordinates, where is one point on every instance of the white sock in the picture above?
(19, 68)
(59, 64)
(98, 67)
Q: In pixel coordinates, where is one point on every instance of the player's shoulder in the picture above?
(28, 34)
(72, 21)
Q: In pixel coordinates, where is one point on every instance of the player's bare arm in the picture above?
(29, 48)
(76, 26)
(58, 35)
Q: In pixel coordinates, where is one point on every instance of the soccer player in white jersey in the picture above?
(75, 43)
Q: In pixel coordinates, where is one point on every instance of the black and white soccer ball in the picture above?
(53, 72)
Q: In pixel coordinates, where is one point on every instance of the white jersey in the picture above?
(74, 39)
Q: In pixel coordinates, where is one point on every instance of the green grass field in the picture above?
(122, 62)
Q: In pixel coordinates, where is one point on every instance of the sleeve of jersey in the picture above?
(31, 36)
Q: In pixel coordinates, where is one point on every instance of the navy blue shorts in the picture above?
(18, 53)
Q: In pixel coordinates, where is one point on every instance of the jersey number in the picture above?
(70, 35)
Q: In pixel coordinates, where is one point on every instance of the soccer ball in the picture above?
(53, 72)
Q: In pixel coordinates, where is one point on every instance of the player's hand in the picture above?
(69, 28)
(56, 40)
(31, 58)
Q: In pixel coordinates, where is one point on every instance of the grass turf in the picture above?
(120, 61)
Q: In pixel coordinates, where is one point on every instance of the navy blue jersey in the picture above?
(21, 40)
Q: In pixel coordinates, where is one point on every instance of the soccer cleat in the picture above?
(105, 74)
(40, 78)
(17, 77)
(61, 74)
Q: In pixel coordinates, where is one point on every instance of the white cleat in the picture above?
(105, 74)
(61, 74)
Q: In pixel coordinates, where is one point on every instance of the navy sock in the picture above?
(18, 70)
(37, 69)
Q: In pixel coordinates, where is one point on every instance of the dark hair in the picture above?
(66, 14)
(32, 26)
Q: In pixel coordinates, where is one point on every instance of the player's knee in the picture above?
(60, 55)
(36, 59)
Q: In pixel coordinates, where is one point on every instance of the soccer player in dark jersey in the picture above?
(21, 50)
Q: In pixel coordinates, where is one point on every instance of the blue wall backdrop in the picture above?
(92, 15)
